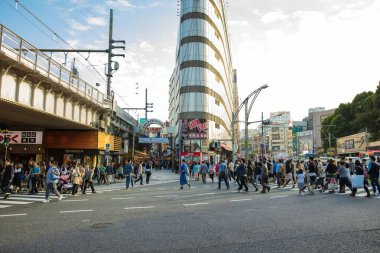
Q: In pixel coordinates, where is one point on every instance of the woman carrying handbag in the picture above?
(359, 171)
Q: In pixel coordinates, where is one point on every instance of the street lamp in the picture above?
(247, 111)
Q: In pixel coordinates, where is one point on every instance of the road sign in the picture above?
(108, 157)
(142, 121)
(108, 145)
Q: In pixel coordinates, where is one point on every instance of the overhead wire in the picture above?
(58, 36)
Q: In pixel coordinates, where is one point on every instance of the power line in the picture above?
(59, 37)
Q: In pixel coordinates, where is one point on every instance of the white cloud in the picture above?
(78, 26)
(273, 16)
(120, 4)
(98, 21)
(146, 46)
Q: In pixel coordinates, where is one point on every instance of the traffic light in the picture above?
(266, 122)
(6, 141)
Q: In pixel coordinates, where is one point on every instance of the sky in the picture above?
(311, 53)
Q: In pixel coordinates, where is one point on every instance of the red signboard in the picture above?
(153, 130)
(194, 129)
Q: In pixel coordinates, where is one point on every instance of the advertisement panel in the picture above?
(280, 117)
(22, 137)
(194, 129)
(154, 140)
(352, 144)
(191, 156)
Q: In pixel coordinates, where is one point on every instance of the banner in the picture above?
(22, 137)
(154, 140)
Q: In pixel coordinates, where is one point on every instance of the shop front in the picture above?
(83, 147)
(23, 146)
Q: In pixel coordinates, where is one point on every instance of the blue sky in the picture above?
(310, 53)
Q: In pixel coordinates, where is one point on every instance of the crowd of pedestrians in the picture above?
(34, 177)
(310, 175)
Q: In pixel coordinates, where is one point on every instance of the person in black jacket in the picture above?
(331, 169)
(373, 171)
(359, 170)
(241, 174)
(7, 175)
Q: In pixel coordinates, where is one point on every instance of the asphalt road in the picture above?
(162, 218)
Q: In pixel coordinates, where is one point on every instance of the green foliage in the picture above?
(363, 112)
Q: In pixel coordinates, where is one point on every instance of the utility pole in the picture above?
(111, 46)
(246, 115)
(262, 136)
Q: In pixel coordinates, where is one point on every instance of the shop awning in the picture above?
(225, 147)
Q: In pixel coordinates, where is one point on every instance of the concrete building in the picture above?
(202, 85)
(280, 134)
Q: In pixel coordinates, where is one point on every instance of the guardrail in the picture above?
(20, 50)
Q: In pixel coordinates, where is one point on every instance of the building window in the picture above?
(217, 102)
(217, 126)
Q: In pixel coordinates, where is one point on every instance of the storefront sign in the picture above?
(191, 156)
(74, 151)
(153, 130)
(126, 146)
(194, 129)
(22, 137)
(154, 140)
(153, 122)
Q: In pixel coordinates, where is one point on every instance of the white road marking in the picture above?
(4, 206)
(275, 197)
(77, 211)
(123, 198)
(16, 214)
(74, 200)
(14, 202)
(28, 199)
(208, 193)
(144, 189)
(196, 204)
(161, 189)
(206, 186)
(166, 196)
(237, 200)
(138, 207)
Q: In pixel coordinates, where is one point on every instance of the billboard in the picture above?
(352, 144)
(194, 129)
(22, 137)
(280, 117)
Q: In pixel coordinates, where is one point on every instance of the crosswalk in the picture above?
(360, 192)
(24, 199)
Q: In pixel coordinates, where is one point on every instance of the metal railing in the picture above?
(20, 50)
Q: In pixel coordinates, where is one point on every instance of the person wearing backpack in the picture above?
(359, 170)
(373, 171)
(127, 170)
(52, 177)
(203, 171)
(222, 175)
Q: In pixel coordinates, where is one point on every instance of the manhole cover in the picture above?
(101, 225)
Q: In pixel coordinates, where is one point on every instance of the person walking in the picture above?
(212, 171)
(7, 175)
(16, 181)
(109, 173)
(241, 173)
(127, 170)
(203, 171)
(288, 173)
(311, 176)
(148, 171)
(89, 174)
(359, 170)
(34, 174)
(373, 171)
(264, 177)
(231, 170)
(257, 171)
(102, 175)
(183, 175)
(139, 173)
(222, 175)
(196, 171)
(344, 179)
(75, 179)
(52, 177)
